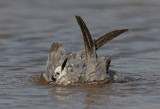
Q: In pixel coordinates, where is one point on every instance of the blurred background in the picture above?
(29, 27)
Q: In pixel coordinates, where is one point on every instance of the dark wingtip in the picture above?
(88, 42)
(125, 30)
(109, 36)
(76, 16)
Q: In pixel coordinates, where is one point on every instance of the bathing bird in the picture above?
(84, 66)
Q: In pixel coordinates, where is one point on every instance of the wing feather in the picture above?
(107, 37)
(55, 58)
(88, 42)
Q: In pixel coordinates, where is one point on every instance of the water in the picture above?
(28, 28)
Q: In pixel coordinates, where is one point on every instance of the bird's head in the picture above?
(60, 74)
(60, 71)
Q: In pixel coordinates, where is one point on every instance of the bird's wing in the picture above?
(56, 58)
(88, 42)
(95, 70)
(107, 37)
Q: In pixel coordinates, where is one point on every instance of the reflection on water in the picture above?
(28, 28)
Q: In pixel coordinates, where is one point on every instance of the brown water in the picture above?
(28, 28)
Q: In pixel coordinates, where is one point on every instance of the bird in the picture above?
(83, 67)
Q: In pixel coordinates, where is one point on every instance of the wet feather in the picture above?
(84, 66)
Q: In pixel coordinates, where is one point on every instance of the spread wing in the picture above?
(96, 68)
(90, 45)
(88, 42)
(107, 37)
(56, 58)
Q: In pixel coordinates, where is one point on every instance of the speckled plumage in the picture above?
(84, 66)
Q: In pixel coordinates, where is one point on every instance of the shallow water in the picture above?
(28, 28)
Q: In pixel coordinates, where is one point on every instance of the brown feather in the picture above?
(107, 37)
(89, 44)
(55, 46)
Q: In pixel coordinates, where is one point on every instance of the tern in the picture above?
(84, 66)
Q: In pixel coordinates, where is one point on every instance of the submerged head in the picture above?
(68, 72)
(58, 73)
